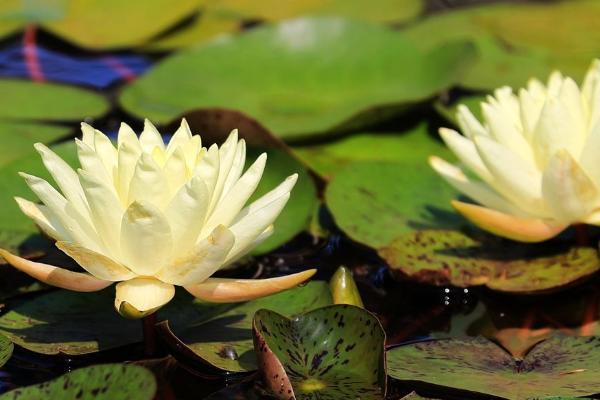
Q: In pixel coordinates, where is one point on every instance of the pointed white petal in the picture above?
(469, 125)
(236, 168)
(56, 276)
(96, 264)
(139, 297)
(106, 152)
(91, 162)
(151, 138)
(206, 259)
(87, 134)
(43, 218)
(129, 155)
(175, 170)
(505, 130)
(149, 183)
(127, 135)
(466, 152)
(208, 168)
(226, 156)
(146, 241)
(589, 156)
(181, 138)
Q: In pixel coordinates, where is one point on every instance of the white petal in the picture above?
(208, 168)
(43, 218)
(466, 152)
(571, 98)
(504, 129)
(106, 152)
(129, 155)
(515, 178)
(181, 138)
(589, 156)
(186, 214)
(250, 246)
(149, 183)
(106, 211)
(226, 156)
(65, 177)
(530, 110)
(91, 162)
(228, 208)
(145, 295)
(469, 125)
(98, 265)
(146, 241)
(127, 135)
(175, 170)
(151, 138)
(205, 260)
(283, 188)
(569, 192)
(236, 169)
(87, 134)
(478, 191)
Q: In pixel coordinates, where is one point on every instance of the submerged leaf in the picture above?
(335, 352)
(98, 382)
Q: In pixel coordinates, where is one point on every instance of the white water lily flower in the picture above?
(536, 154)
(153, 216)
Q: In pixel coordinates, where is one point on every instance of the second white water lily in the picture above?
(153, 216)
(536, 154)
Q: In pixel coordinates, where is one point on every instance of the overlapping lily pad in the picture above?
(517, 42)
(298, 211)
(219, 335)
(299, 77)
(411, 146)
(334, 352)
(98, 382)
(375, 202)
(450, 257)
(6, 349)
(559, 366)
(68, 322)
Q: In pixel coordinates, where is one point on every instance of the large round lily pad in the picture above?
(449, 257)
(298, 211)
(375, 202)
(334, 352)
(298, 77)
(559, 366)
(48, 101)
(411, 146)
(68, 322)
(98, 382)
(220, 335)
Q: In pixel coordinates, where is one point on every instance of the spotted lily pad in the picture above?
(412, 146)
(299, 77)
(449, 257)
(375, 202)
(334, 352)
(68, 322)
(559, 366)
(98, 382)
(219, 335)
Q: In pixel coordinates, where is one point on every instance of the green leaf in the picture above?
(48, 101)
(412, 146)
(559, 366)
(98, 382)
(298, 211)
(375, 202)
(443, 257)
(335, 352)
(220, 334)
(6, 349)
(18, 138)
(68, 322)
(299, 77)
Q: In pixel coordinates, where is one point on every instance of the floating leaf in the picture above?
(412, 146)
(220, 334)
(375, 202)
(560, 366)
(68, 322)
(334, 352)
(101, 24)
(299, 77)
(298, 211)
(443, 257)
(48, 101)
(6, 349)
(98, 382)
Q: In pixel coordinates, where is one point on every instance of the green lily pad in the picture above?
(335, 352)
(18, 138)
(282, 80)
(6, 349)
(271, 10)
(98, 382)
(443, 257)
(15, 227)
(296, 215)
(219, 335)
(559, 366)
(48, 101)
(375, 202)
(69, 323)
(102, 24)
(517, 42)
(412, 146)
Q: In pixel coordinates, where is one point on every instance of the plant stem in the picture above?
(581, 235)
(149, 328)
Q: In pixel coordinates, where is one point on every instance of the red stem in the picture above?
(149, 328)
